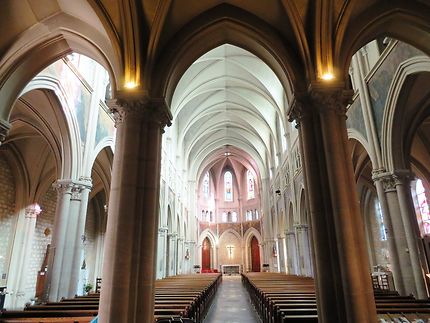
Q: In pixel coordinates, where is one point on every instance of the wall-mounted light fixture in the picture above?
(278, 192)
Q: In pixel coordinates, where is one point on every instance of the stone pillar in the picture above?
(277, 258)
(161, 252)
(397, 245)
(282, 254)
(304, 251)
(76, 284)
(173, 242)
(56, 253)
(180, 258)
(68, 239)
(291, 252)
(405, 234)
(23, 244)
(343, 284)
(127, 295)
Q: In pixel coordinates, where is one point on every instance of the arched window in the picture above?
(380, 219)
(248, 215)
(206, 185)
(228, 187)
(251, 186)
(423, 207)
(224, 217)
(234, 217)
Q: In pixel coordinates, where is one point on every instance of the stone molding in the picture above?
(320, 99)
(163, 230)
(4, 130)
(72, 187)
(140, 106)
(390, 180)
(290, 233)
(301, 227)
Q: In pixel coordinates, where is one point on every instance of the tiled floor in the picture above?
(232, 304)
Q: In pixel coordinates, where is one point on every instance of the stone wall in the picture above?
(42, 237)
(7, 216)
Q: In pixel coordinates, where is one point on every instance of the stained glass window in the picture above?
(250, 182)
(206, 185)
(228, 187)
(380, 219)
(423, 207)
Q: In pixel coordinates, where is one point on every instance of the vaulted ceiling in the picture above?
(151, 43)
(228, 97)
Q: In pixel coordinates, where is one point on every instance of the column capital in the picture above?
(32, 211)
(290, 233)
(301, 227)
(391, 179)
(63, 186)
(4, 130)
(319, 99)
(86, 182)
(162, 230)
(73, 187)
(139, 105)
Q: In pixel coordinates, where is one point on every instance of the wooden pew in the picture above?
(185, 296)
(280, 298)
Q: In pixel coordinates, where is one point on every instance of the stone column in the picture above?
(397, 245)
(277, 260)
(23, 242)
(70, 264)
(304, 250)
(56, 253)
(173, 242)
(76, 285)
(161, 252)
(290, 237)
(282, 253)
(180, 258)
(405, 236)
(127, 295)
(416, 250)
(343, 284)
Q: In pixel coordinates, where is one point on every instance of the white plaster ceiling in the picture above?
(227, 97)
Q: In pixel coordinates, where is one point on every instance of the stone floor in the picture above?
(231, 304)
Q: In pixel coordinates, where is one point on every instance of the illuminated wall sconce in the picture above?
(130, 85)
(327, 76)
(187, 254)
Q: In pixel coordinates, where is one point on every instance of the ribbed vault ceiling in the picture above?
(228, 97)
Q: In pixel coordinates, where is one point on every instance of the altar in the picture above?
(231, 269)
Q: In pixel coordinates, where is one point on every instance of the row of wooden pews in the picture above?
(184, 298)
(281, 298)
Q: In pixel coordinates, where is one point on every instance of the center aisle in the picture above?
(231, 304)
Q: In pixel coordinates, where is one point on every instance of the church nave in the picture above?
(231, 304)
